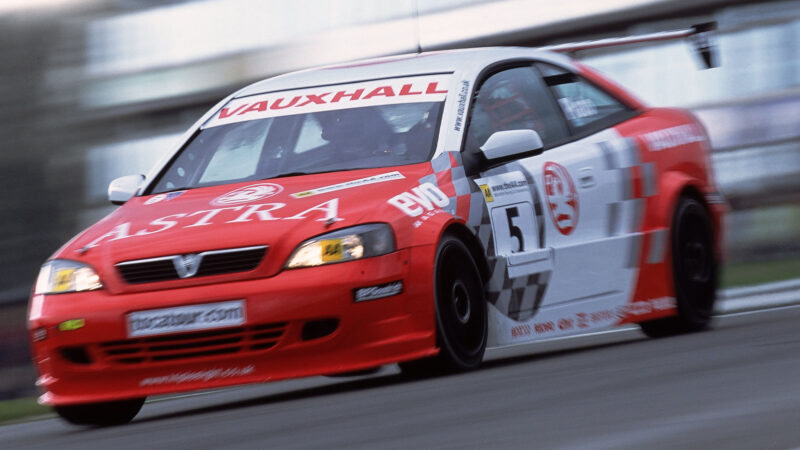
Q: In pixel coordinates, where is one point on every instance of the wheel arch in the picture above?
(476, 250)
(450, 357)
(673, 186)
(694, 304)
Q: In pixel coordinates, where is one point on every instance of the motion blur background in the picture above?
(91, 90)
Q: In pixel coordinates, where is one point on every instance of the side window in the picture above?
(511, 100)
(584, 105)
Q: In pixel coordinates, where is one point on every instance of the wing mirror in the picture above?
(123, 188)
(512, 143)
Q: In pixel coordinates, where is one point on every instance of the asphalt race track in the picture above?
(735, 387)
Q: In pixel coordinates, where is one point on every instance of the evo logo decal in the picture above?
(422, 198)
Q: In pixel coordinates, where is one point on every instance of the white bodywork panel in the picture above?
(586, 257)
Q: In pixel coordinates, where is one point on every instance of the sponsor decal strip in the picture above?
(198, 375)
(376, 292)
(673, 137)
(389, 176)
(186, 318)
(428, 88)
(584, 320)
(643, 307)
(462, 105)
(576, 321)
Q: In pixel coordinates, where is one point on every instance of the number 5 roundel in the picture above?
(562, 198)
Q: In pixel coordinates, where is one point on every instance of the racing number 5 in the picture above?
(514, 227)
(515, 231)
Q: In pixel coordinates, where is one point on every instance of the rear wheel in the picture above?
(101, 414)
(461, 324)
(694, 272)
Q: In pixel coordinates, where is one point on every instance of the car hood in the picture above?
(278, 213)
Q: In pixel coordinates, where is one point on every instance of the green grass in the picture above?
(17, 410)
(750, 273)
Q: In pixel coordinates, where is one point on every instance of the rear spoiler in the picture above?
(702, 36)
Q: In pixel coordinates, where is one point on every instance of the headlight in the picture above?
(347, 244)
(60, 276)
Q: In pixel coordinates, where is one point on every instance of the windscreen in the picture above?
(374, 124)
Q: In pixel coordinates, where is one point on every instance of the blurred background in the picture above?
(95, 89)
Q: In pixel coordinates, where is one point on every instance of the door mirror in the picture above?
(505, 144)
(123, 188)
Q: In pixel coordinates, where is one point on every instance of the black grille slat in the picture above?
(221, 263)
(147, 272)
(196, 344)
(123, 351)
(271, 335)
(188, 345)
(131, 360)
(212, 263)
(270, 326)
(219, 351)
(241, 263)
(194, 335)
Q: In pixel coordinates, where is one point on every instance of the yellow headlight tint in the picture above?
(63, 280)
(332, 250)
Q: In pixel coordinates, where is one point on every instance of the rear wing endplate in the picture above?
(702, 36)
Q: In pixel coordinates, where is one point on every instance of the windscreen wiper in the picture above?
(185, 188)
(289, 174)
(316, 172)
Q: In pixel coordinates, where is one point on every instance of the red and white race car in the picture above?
(412, 209)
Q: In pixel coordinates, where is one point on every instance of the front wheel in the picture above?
(461, 317)
(101, 414)
(694, 271)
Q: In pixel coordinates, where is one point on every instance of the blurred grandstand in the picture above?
(92, 90)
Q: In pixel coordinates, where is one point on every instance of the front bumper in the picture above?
(99, 362)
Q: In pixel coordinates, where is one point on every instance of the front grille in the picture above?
(174, 267)
(240, 340)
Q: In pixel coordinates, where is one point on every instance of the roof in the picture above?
(474, 59)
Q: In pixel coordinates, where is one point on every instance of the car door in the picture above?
(588, 181)
(550, 212)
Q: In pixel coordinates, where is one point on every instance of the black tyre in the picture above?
(461, 324)
(694, 271)
(101, 414)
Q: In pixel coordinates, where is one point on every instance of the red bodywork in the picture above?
(277, 300)
(99, 361)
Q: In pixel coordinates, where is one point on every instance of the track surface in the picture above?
(735, 387)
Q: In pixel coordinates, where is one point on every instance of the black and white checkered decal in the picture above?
(516, 297)
(546, 281)
(516, 294)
